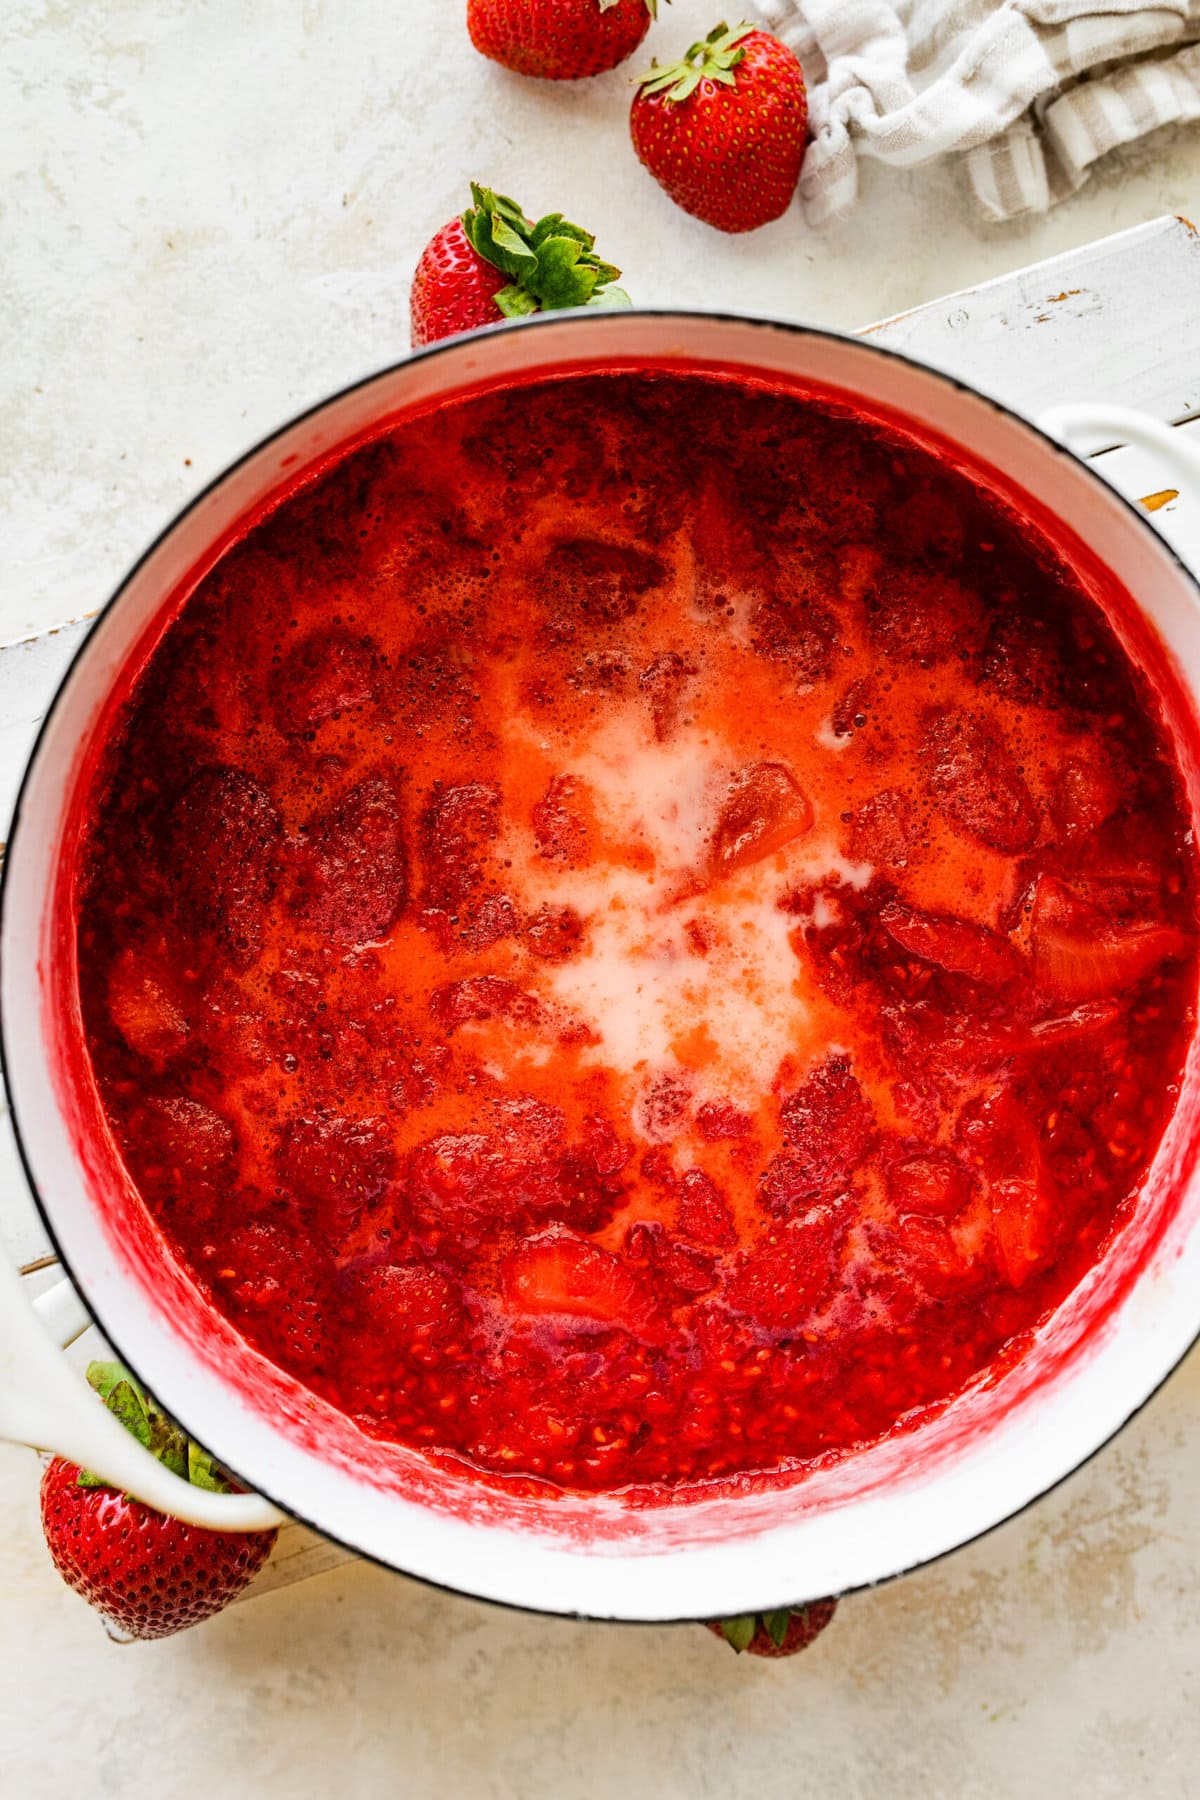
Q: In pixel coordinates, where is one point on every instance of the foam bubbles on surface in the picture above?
(677, 971)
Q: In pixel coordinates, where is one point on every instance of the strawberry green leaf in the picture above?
(714, 58)
(552, 266)
(740, 1631)
(142, 1416)
(777, 1625)
(510, 212)
(488, 202)
(562, 280)
(104, 1377)
(604, 271)
(167, 1442)
(126, 1404)
(126, 1401)
(615, 298)
(514, 302)
(510, 252)
(554, 225)
(203, 1472)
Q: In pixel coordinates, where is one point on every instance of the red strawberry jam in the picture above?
(638, 931)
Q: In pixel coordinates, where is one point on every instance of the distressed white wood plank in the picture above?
(1115, 320)
(298, 1556)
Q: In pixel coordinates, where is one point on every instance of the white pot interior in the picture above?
(878, 1511)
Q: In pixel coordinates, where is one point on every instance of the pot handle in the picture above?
(1085, 428)
(44, 1403)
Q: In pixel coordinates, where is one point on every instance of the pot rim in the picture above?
(580, 321)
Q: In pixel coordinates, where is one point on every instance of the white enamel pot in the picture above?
(879, 1511)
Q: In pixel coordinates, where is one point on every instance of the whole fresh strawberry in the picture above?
(147, 1575)
(723, 131)
(494, 264)
(780, 1633)
(559, 40)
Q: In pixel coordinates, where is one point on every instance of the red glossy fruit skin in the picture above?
(729, 155)
(148, 1575)
(805, 1624)
(453, 288)
(557, 40)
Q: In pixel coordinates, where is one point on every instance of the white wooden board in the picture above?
(1115, 320)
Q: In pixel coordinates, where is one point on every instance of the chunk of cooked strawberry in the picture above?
(277, 1296)
(1087, 1019)
(679, 1271)
(917, 1261)
(597, 582)
(762, 810)
(182, 1140)
(885, 829)
(1080, 953)
(225, 838)
(662, 1105)
(1085, 795)
(720, 1119)
(998, 1136)
(828, 1127)
(561, 822)
(1022, 1228)
(664, 683)
(148, 1005)
(1127, 857)
(927, 1180)
(561, 1275)
(479, 997)
(953, 944)
(977, 784)
(464, 1184)
(352, 875)
(406, 1308)
(457, 826)
(340, 1163)
(782, 1280)
(329, 671)
(606, 1153)
(800, 633)
(554, 933)
(478, 922)
(702, 1211)
(1028, 657)
(917, 613)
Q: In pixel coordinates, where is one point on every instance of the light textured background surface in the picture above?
(208, 216)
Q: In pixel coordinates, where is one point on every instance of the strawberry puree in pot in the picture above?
(638, 932)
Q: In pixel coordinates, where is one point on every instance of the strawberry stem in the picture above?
(713, 58)
(144, 1418)
(552, 265)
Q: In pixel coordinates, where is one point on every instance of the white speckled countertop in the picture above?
(208, 216)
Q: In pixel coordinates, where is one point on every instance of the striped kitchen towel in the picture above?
(1029, 93)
